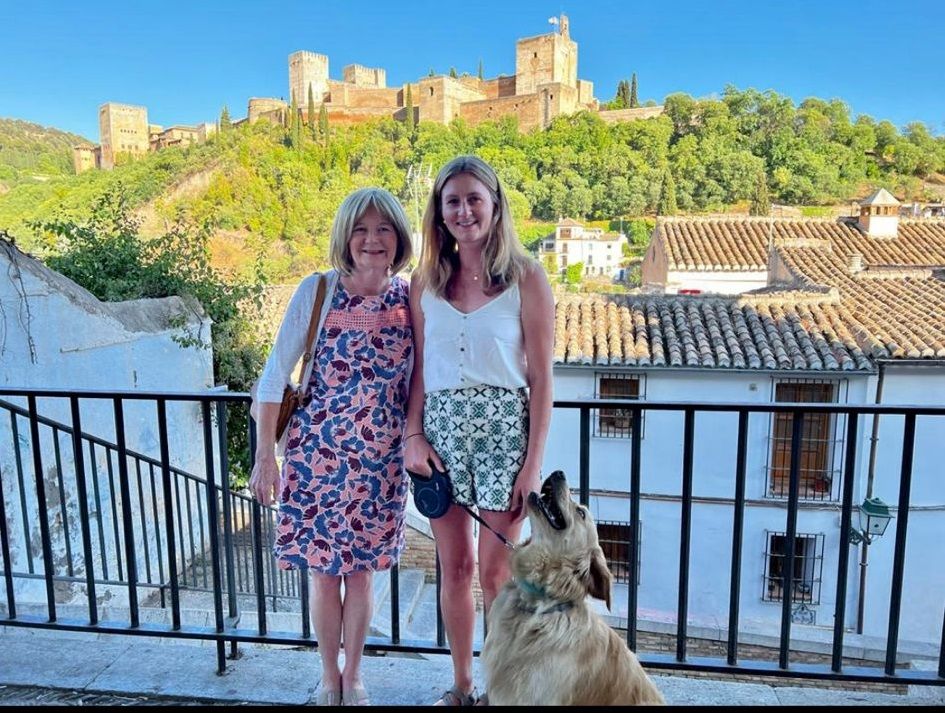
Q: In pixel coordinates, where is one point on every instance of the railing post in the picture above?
(7, 561)
(213, 523)
(636, 438)
(78, 457)
(787, 564)
(126, 514)
(41, 509)
(224, 450)
(899, 559)
(682, 610)
(168, 513)
(256, 517)
(738, 527)
(843, 557)
(584, 486)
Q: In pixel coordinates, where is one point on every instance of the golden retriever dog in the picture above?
(545, 645)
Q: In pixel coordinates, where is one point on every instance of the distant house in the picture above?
(599, 252)
(849, 311)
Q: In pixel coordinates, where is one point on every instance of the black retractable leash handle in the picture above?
(432, 495)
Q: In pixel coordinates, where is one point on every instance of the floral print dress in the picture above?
(344, 488)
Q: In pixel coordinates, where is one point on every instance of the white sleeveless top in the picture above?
(483, 347)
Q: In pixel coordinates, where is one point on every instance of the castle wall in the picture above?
(543, 59)
(556, 99)
(343, 94)
(362, 76)
(307, 68)
(526, 108)
(83, 158)
(613, 116)
(586, 93)
(258, 106)
(499, 87)
(123, 129)
(441, 98)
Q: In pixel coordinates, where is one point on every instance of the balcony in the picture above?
(124, 518)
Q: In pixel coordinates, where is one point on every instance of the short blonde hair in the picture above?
(503, 260)
(350, 212)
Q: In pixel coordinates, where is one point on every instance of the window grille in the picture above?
(808, 567)
(615, 540)
(821, 447)
(616, 422)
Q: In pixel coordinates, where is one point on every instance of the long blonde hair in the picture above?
(503, 259)
(350, 212)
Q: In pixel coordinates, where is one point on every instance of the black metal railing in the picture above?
(108, 516)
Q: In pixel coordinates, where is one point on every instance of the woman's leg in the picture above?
(357, 609)
(325, 605)
(494, 568)
(454, 545)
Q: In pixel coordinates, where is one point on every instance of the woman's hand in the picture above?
(527, 481)
(419, 454)
(264, 483)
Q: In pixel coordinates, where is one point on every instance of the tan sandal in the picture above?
(455, 697)
(328, 697)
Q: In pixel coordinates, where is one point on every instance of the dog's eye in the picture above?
(582, 513)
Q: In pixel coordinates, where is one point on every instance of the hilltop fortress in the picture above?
(545, 85)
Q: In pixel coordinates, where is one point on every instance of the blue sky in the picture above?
(60, 60)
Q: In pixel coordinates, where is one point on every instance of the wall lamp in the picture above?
(873, 515)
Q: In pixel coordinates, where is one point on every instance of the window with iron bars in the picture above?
(808, 567)
(616, 422)
(615, 540)
(821, 449)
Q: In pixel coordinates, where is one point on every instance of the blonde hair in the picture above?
(503, 259)
(350, 212)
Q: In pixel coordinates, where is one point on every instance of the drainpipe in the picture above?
(870, 472)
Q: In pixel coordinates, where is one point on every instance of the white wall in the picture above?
(728, 282)
(57, 335)
(714, 460)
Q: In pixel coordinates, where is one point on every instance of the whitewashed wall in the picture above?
(57, 335)
(714, 485)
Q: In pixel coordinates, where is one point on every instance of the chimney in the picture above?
(879, 215)
(856, 263)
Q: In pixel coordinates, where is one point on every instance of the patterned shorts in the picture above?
(481, 434)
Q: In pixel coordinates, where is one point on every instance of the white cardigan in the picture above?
(290, 341)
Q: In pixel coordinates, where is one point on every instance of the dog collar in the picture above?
(539, 592)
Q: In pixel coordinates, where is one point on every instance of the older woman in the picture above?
(342, 491)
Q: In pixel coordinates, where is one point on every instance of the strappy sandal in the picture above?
(328, 697)
(357, 696)
(455, 697)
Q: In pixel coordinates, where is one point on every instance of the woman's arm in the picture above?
(538, 331)
(417, 450)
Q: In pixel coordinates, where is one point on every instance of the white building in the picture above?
(845, 316)
(600, 253)
(57, 335)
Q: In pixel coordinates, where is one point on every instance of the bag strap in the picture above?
(314, 322)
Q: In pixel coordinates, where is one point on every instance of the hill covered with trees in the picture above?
(30, 152)
(271, 191)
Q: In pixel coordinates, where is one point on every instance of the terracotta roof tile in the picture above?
(706, 332)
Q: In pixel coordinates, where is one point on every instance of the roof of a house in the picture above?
(880, 197)
(769, 331)
(844, 299)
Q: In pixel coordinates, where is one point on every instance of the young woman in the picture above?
(481, 389)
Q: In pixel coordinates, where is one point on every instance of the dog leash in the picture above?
(510, 545)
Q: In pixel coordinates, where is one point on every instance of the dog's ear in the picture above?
(599, 577)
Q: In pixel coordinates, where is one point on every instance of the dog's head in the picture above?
(562, 555)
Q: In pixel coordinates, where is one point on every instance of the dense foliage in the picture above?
(30, 153)
(274, 189)
(106, 255)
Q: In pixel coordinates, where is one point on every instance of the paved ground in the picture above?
(44, 668)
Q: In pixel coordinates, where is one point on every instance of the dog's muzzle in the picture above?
(547, 502)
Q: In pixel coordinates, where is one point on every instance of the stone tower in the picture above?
(307, 69)
(545, 59)
(123, 129)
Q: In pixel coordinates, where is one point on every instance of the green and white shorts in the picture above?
(481, 434)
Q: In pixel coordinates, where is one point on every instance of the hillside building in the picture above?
(600, 253)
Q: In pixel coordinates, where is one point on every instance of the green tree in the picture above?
(323, 123)
(574, 273)
(310, 113)
(225, 123)
(632, 100)
(410, 123)
(432, 73)
(295, 125)
(623, 94)
(480, 73)
(667, 202)
(453, 73)
(760, 202)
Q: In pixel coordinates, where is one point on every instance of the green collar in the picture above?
(539, 592)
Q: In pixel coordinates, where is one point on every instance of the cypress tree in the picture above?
(760, 201)
(633, 101)
(295, 134)
(623, 94)
(667, 202)
(310, 113)
(409, 107)
(225, 123)
(481, 76)
(453, 72)
(323, 123)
